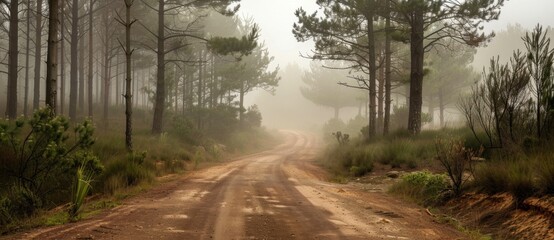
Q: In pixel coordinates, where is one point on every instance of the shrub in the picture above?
(122, 173)
(456, 160)
(399, 152)
(22, 201)
(38, 155)
(546, 174)
(514, 177)
(5, 211)
(253, 117)
(424, 187)
(521, 184)
(492, 179)
(80, 191)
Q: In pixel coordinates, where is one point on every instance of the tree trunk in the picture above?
(81, 73)
(107, 70)
(11, 108)
(200, 90)
(38, 54)
(90, 58)
(380, 96)
(241, 103)
(372, 72)
(128, 96)
(388, 56)
(27, 57)
(431, 108)
(52, 55)
(184, 89)
(73, 71)
(62, 58)
(117, 82)
(416, 72)
(441, 108)
(159, 105)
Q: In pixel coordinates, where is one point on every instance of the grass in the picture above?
(125, 174)
(398, 150)
(80, 192)
(473, 234)
(521, 177)
(422, 187)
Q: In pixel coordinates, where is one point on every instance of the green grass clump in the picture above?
(546, 173)
(423, 187)
(514, 177)
(80, 191)
(124, 173)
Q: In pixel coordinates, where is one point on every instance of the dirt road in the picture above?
(276, 194)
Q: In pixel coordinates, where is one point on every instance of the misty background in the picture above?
(287, 108)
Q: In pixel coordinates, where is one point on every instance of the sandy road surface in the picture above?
(276, 194)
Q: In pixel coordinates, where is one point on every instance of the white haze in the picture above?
(288, 109)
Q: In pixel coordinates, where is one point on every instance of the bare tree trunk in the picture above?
(62, 58)
(241, 103)
(380, 95)
(441, 107)
(416, 75)
(159, 105)
(52, 55)
(200, 80)
(388, 56)
(27, 57)
(128, 73)
(98, 81)
(117, 82)
(73, 80)
(38, 54)
(431, 108)
(11, 108)
(81, 73)
(90, 58)
(372, 73)
(106, 69)
(184, 100)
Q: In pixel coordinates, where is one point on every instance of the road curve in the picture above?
(276, 194)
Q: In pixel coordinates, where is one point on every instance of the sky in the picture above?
(276, 17)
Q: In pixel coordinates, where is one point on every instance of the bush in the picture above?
(456, 160)
(22, 202)
(546, 174)
(350, 159)
(424, 187)
(521, 184)
(331, 126)
(124, 173)
(38, 159)
(514, 177)
(5, 211)
(253, 117)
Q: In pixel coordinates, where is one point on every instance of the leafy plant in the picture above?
(38, 156)
(82, 187)
(424, 187)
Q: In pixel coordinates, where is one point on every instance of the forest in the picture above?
(415, 103)
(89, 88)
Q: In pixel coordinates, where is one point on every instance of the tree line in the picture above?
(156, 55)
(370, 38)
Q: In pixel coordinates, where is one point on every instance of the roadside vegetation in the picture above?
(504, 148)
(48, 163)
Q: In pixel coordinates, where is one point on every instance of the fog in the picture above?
(276, 18)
